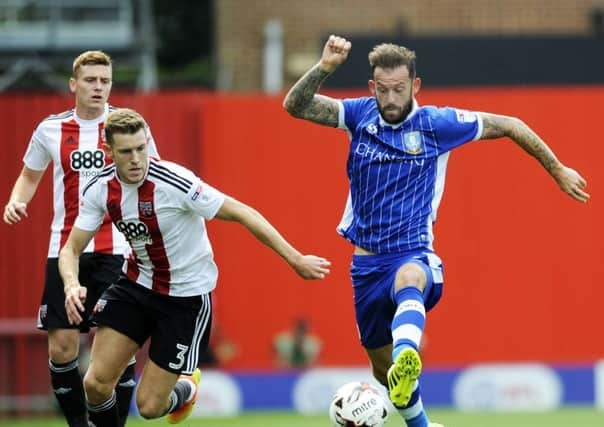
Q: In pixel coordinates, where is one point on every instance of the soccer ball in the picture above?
(358, 404)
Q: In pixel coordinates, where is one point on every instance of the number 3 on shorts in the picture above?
(180, 356)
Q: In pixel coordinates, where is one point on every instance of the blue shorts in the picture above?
(373, 283)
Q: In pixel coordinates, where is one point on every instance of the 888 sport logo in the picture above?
(87, 160)
(134, 231)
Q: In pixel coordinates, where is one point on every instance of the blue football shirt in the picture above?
(397, 172)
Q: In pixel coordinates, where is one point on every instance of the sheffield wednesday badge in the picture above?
(412, 142)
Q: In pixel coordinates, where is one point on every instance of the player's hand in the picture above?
(75, 297)
(311, 267)
(335, 52)
(571, 183)
(14, 212)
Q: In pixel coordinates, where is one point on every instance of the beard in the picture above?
(393, 114)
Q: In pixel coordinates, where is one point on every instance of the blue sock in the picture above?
(409, 320)
(414, 413)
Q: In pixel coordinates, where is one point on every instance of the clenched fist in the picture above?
(335, 52)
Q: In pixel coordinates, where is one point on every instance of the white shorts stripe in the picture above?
(201, 324)
(436, 267)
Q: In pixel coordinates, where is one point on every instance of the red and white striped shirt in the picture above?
(162, 218)
(75, 147)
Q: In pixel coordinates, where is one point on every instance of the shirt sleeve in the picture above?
(200, 198)
(350, 111)
(91, 209)
(203, 199)
(454, 127)
(37, 156)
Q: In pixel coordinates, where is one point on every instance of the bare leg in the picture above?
(110, 355)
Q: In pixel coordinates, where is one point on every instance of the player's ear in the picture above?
(72, 84)
(371, 86)
(417, 84)
(107, 149)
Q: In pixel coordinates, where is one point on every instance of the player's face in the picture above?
(130, 155)
(394, 90)
(91, 88)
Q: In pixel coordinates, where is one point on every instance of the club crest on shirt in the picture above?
(99, 306)
(43, 311)
(465, 116)
(145, 208)
(412, 142)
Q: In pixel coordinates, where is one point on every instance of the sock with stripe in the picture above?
(409, 320)
(124, 390)
(183, 391)
(414, 413)
(105, 413)
(68, 388)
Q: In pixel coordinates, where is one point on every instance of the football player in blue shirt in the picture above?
(396, 168)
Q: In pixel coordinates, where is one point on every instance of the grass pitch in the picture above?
(570, 417)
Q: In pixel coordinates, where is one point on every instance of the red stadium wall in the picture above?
(24, 247)
(523, 261)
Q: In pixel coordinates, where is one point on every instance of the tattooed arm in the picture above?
(569, 181)
(302, 100)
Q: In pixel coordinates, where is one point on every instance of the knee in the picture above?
(97, 389)
(150, 408)
(148, 412)
(62, 349)
(411, 275)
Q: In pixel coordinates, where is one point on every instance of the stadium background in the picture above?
(523, 261)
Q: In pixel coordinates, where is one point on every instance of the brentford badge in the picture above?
(100, 305)
(145, 208)
(43, 311)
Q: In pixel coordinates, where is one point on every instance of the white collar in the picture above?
(96, 120)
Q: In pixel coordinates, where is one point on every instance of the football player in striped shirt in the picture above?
(396, 169)
(164, 293)
(72, 142)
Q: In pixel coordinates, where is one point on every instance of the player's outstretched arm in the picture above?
(69, 259)
(569, 181)
(307, 266)
(23, 191)
(302, 100)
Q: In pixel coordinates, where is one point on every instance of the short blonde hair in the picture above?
(389, 56)
(90, 57)
(123, 121)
